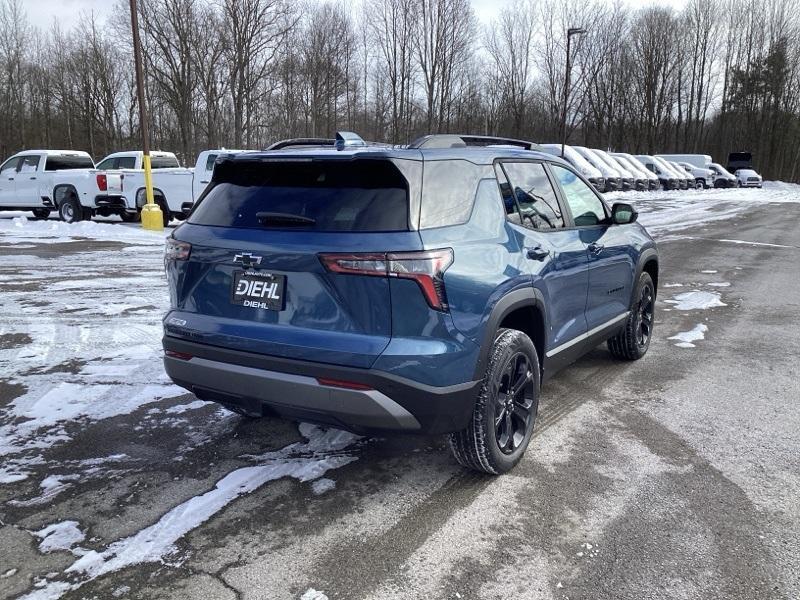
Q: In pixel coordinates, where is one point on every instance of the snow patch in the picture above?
(320, 486)
(672, 285)
(312, 594)
(719, 284)
(323, 450)
(709, 271)
(696, 300)
(59, 536)
(685, 338)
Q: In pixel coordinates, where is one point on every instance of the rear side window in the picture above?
(125, 162)
(334, 195)
(210, 162)
(29, 164)
(10, 166)
(163, 162)
(536, 200)
(66, 161)
(448, 191)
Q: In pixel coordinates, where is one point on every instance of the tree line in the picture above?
(717, 76)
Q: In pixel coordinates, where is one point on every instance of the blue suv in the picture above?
(429, 288)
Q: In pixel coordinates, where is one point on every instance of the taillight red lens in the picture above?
(175, 250)
(102, 182)
(426, 267)
(178, 355)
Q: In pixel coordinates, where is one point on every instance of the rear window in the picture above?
(357, 195)
(163, 162)
(64, 161)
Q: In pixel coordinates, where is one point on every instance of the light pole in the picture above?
(152, 218)
(570, 32)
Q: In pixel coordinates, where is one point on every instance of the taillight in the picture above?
(426, 267)
(178, 355)
(175, 250)
(102, 182)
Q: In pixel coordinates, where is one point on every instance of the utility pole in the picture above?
(570, 32)
(152, 217)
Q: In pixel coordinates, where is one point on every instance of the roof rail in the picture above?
(343, 139)
(291, 142)
(447, 140)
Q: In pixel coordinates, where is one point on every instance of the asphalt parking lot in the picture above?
(677, 476)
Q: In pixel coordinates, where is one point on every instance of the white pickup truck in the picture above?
(118, 186)
(27, 178)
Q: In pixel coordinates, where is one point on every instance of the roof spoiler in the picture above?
(448, 140)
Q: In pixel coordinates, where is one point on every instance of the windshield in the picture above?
(357, 195)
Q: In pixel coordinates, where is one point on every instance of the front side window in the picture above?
(536, 200)
(106, 164)
(210, 162)
(10, 166)
(29, 164)
(125, 162)
(585, 206)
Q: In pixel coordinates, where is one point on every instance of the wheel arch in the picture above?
(648, 263)
(60, 191)
(521, 309)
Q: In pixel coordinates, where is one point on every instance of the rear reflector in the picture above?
(339, 383)
(426, 267)
(178, 355)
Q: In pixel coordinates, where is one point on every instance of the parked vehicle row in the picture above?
(69, 183)
(612, 171)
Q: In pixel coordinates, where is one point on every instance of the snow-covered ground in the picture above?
(80, 332)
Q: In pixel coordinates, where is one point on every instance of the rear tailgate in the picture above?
(257, 283)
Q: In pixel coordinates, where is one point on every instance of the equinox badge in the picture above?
(246, 259)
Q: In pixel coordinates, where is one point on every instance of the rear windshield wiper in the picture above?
(277, 219)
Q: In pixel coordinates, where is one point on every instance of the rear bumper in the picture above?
(290, 388)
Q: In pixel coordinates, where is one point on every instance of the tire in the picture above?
(41, 213)
(633, 341)
(699, 184)
(130, 217)
(70, 210)
(495, 439)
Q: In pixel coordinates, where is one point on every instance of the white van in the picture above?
(703, 178)
(652, 181)
(629, 180)
(678, 172)
(696, 160)
(722, 177)
(613, 176)
(669, 180)
(586, 169)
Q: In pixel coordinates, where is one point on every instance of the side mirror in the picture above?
(623, 214)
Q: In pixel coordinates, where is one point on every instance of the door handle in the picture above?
(537, 253)
(33, 177)
(11, 179)
(206, 181)
(596, 248)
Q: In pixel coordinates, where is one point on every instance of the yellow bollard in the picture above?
(152, 217)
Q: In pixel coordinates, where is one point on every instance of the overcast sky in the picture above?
(67, 11)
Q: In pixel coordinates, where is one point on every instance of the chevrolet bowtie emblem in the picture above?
(246, 259)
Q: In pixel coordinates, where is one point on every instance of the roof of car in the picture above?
(478, 155)
(55, 152)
